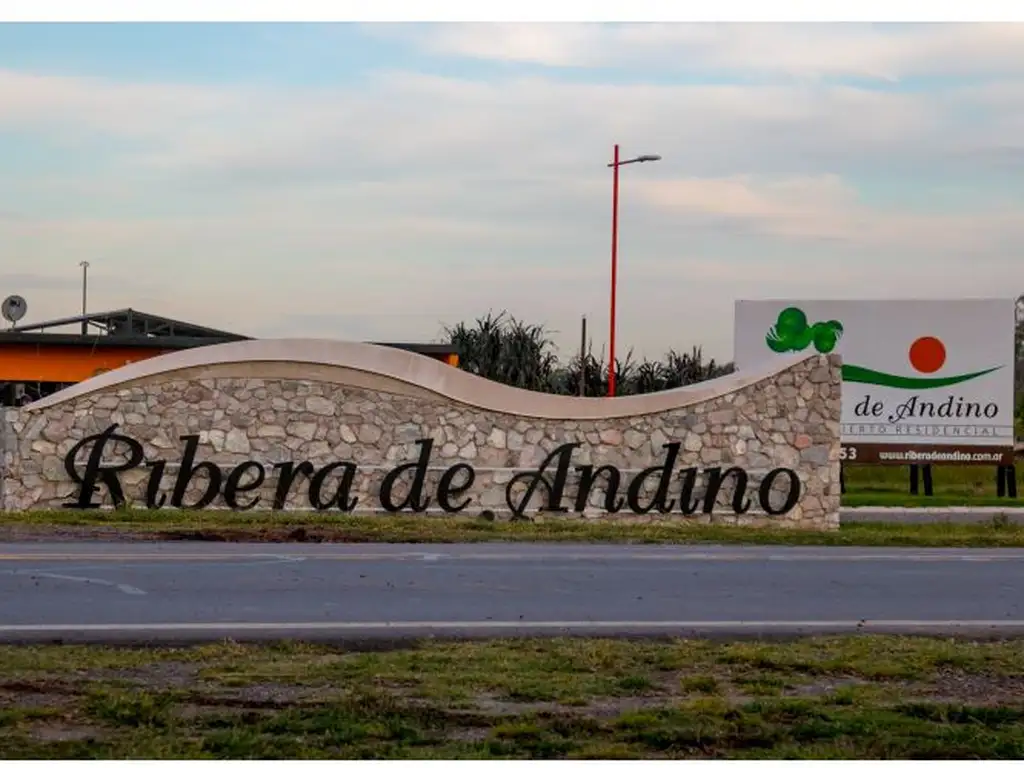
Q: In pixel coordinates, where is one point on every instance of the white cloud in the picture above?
(66, 106)
(410, 197)
(884, 52)
(401, 125)
(826, 208)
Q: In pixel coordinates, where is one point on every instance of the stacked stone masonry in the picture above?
(790, 420)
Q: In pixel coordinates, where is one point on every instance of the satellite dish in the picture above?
(14, 308)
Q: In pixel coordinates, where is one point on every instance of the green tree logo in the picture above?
(791, 333)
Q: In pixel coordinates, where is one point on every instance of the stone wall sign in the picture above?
(359, 429)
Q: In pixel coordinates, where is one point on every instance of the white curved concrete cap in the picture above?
(419, 371)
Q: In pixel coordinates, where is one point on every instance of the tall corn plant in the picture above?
(503, 349)
(506, 350)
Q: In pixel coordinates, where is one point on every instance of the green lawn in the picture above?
(943, 498)
(850, 698)
(953, 486)
(170, 525)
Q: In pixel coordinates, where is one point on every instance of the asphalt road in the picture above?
(191, 591)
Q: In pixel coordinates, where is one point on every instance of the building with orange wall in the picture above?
(40, 358)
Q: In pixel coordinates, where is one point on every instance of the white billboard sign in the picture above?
(924, 381)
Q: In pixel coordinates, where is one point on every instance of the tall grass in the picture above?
(507, 350)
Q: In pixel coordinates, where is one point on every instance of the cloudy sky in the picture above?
(375, 182)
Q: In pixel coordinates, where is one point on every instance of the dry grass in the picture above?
(862, 697)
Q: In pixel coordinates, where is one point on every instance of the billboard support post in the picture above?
(924, 472)
(1006, 482)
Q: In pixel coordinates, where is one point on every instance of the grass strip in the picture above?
(170, 525)
(839, 698)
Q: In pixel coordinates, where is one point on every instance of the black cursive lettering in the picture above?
(453, 484)
(154, 497)
(687, 504)
(716, 478)
(588, 476)
(234, 485)
(340, 498)
(764, 493)
(563, 455)
(95, 473)
(188, 470)
(414, 499)
(661, 501)
(288, 474)
(446, 487)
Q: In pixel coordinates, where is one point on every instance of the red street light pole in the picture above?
(614, 165)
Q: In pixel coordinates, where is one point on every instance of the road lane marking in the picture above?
(127, 589)
(154, 556)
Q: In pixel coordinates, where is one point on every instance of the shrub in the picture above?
(506, 350)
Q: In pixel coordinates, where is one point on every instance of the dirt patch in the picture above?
(193, 711)
(56, 732)
(956, 687)
(15, 533)
(612, 708)
(21, 689)
(48, 533)
(168, 675)
(265, 696)
(946, 686)
(823, 686)
(265, 535)
(492, 705)
(468, 734)
(600, 708)
(31, 700)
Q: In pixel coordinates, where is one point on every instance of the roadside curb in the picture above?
(929, 514)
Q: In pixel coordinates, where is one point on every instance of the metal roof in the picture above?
(131, 328)
(132, 323)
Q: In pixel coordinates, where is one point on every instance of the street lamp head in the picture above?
(638, 159)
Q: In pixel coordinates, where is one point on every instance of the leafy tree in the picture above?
(1020, 327)
(1019, 374)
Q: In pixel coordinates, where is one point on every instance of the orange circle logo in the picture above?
(927, 354)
